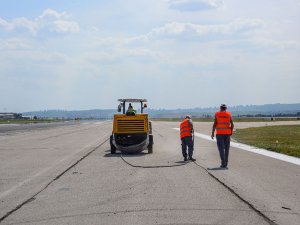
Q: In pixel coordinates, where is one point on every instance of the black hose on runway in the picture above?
(151, 167)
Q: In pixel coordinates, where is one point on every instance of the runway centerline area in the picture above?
(60, 175)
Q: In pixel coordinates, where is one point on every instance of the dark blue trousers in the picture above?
(223, 142)
(187, 143)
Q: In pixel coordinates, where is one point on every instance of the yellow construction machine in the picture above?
(132, 131)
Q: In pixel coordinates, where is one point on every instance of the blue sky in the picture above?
(63, 54)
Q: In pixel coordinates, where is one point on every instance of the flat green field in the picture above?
(235, 119)
(27, 121)
(283, 139)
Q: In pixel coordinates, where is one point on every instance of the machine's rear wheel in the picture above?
(112, 147)
(150, 145)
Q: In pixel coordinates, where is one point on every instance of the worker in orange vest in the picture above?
(186, 136)
(223, 124)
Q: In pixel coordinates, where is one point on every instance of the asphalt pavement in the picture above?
(66, 175)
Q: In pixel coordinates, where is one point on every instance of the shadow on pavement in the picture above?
(124, 155)
(182, 162)
(217, 168)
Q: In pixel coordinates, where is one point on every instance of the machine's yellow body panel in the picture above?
(136, 124)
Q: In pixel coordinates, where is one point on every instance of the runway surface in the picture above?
(65, 174)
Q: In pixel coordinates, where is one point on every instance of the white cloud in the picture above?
(275, 44)
(19, 24)
(107, 41)
(62, 26)
(117, 42)
(194, 5)
(5, 25)
(52, 14)
(56, 22)
(50, 21)
(25, 23)
(239, 35)
(120, 54)
(192, 30)
(14, 44)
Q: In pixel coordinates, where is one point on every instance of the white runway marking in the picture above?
(249, 148)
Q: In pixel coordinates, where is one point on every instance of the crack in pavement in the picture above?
(251, 206)
(32, 198)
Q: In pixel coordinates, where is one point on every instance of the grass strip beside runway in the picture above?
(30, 121)
(235, 119)
(282, 139)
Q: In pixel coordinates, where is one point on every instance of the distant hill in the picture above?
(250, 110)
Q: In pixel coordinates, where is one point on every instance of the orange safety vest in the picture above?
(223, 123)
(186, 128)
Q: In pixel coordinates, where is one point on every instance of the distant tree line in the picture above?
(272, 115)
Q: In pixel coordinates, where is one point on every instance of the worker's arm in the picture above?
(214, 128)
(191, 123)
(231, 126)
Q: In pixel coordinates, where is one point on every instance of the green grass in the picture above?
(283, 139)
(266, 119)
(180, 119)
(29, 121)
(235, 119)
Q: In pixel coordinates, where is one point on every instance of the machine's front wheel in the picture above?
(112, 147)
(150, 149)
(150, 145)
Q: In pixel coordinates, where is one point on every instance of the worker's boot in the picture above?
(185, 159)
(192, 159)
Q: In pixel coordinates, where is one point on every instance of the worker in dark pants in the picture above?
(186, 136)
(223, 124)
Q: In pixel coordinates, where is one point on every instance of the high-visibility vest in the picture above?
(223, 123)
(185, 128)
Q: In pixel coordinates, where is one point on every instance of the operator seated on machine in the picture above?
(130, 111)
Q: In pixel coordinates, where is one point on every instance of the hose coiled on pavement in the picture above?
(151, 167)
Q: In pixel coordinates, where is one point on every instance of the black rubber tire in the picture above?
(150, 145)
(150, 149)
(112, 147)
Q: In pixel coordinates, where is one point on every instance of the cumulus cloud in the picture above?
(61, 26)
(117, 48)
(49, 21)
(191, 30)
(14, 44)
(194, 5)
(5, 25)
(275, 44)
(18, 24)
(52, 14)
(114, 55)
(54, 58)
(55, 22)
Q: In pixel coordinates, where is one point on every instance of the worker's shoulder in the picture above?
(190, 121)
(222, 113)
